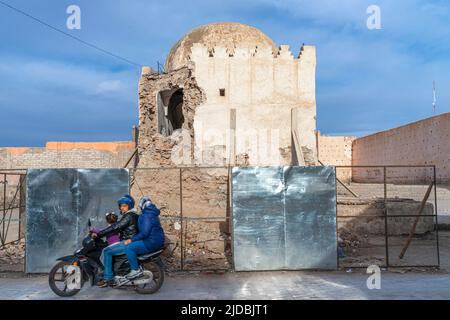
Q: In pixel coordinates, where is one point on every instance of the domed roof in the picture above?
(227, 34)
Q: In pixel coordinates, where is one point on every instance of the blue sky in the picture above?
(54, 88)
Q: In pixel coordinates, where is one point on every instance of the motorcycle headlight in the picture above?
(88, 243)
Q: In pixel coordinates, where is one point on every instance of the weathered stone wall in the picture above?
(199, 224)
(424, 142)
(156, 150)
(68, 155)
(336, 151)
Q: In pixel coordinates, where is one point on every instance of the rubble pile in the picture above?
(348, 240)
(366, 217)
(12, 256)
(206, 246)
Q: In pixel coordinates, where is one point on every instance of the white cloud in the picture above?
(109, 86)
(54, 76)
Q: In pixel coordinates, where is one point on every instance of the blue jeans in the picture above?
(115, 249)
(132, 250)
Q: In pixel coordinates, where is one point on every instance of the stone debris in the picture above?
(12, 255)
(369, 216)
(349, 240)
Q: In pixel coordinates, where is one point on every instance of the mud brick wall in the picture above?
(336, 151)
(198, 227)
(424, 142)
(68, 155)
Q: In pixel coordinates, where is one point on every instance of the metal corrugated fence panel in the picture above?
(59, 204)
(284, 218)
(258, 218)
(310, 213)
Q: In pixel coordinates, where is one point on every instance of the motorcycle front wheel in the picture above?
(57, 280)
(157, 269)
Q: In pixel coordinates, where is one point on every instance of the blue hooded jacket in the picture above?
(150, 230)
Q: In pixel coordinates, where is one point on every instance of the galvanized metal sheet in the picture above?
(59, 204)
(310, 211)
(284, 218)
(258, 218)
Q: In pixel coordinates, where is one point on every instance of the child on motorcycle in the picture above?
(111, 238)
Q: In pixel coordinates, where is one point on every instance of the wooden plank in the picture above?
(296, 148)
(343, 184)
(232, 142)
(413, 229)
(131, 157)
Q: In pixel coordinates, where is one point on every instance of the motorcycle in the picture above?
(71, 272)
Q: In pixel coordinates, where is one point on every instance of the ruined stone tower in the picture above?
(229, 97)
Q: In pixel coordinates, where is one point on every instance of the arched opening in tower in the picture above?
(170, 111)
(175, 110)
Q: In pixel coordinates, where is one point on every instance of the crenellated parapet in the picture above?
(263, 53)
(201, 51)
(285, 53)
(255, 74)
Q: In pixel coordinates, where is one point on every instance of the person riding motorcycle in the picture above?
(150, 237)
(127, 228)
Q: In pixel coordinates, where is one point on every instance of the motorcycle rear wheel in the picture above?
(55, 276)
(157, 268)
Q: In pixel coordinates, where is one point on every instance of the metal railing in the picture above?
(12, 204)
(389, 188)
(183, 215)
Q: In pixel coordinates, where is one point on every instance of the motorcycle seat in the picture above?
(150, 255)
